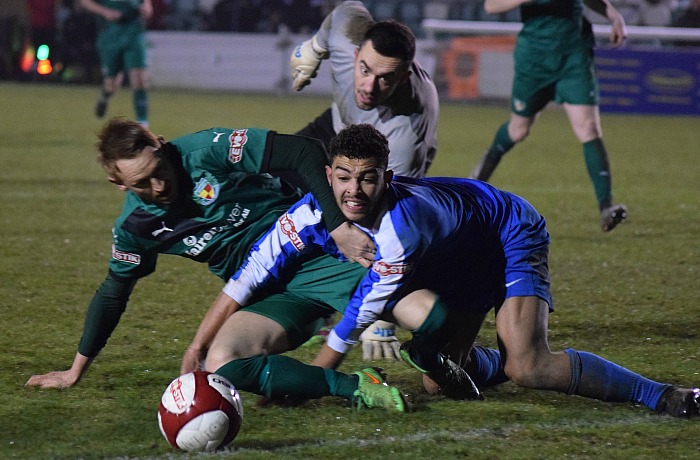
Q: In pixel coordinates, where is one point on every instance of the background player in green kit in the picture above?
(121, 45)
(209, 196)
(554, 61)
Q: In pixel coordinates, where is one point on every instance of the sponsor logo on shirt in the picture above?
(206, 190)
(127, 257)
(237, 140)
(287, 227)
(197, 245)
(385, 269)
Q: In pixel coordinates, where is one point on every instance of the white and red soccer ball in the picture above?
(200, 411)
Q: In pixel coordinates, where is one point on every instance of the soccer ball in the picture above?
(200, 411)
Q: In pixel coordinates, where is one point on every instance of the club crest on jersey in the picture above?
(127, 257)
(206, 190)
(287, 227)
(385, 269)
(237, 140)
(519, 105)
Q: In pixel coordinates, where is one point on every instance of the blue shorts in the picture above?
(526, 250)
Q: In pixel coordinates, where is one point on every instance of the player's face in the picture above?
(149, 175)
(358, 186)
(376, 76)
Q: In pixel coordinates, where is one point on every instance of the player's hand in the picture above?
(58, 379)
(618, 28)
(379, 342)
(305, 61)
(112, 15)
(355, 244)
(192, 361)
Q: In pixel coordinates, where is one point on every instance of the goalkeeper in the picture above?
(376, 80)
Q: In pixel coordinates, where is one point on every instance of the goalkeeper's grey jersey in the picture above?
(408, 119)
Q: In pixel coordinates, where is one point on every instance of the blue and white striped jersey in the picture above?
(446, 234)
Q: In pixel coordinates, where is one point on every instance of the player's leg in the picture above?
(585, 122)
(247, 352)
(578, 91)
(522, 324)
(318, 287)
(517, 127)
(530, 95)
(110, 67)
(437, 340)
(135, 63)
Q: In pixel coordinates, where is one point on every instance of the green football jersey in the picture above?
(115, 33)
(554, 25)
(230, 205)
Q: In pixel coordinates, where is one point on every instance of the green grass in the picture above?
(631, 296)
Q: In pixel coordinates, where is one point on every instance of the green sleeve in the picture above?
(106, 308)
(307, 158)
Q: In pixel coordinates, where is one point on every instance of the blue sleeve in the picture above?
(398, 246)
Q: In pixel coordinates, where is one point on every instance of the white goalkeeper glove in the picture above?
(305, 61)
(379, 342)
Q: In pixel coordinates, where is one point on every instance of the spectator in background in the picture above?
(656, 13)
(121, 45)
(161, 8)
(689, 17)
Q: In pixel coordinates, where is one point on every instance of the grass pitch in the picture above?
(631, 296)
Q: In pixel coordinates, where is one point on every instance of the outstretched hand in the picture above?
(57, 379)
(355, 244)
(192, 361)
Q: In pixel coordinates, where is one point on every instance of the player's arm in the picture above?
(501, 6)
(222, 308)
(618, 29)
(105, 310)
(95, 8)
(307, 158)
(328, 358)
(146, 9)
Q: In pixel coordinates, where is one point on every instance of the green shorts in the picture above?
(121, 48)
(317, 288)
(560, 76)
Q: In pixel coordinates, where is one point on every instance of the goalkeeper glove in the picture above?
(305, 61)
(379, 341)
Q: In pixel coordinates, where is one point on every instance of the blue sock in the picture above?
(595, 377)
(485, 367)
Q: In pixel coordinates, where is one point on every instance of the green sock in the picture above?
(502, 142)
(141, 105)
(278, 377)
(598, 166)
(343, 385)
